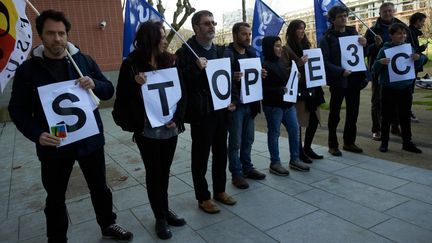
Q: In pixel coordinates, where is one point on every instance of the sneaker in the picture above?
(297, 165)
(117, 232)
(278, 169)
(414, 118)
(395, 131)
(352, 148)
(411, 147)
(376, 136)
(254, 174)
(174, 220)
(311, 154)
(162, 229)
(208, 206)
(224, 198)
(240, 182)
(305, 158)
(335, 152)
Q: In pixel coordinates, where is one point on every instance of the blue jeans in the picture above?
(288, 117)
(241, 138)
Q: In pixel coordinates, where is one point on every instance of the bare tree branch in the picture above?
(181, 7)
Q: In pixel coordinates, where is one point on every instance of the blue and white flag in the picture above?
(321, 20)
(136, 12)
(265, 23)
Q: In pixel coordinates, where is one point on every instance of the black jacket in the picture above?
(26, 109)
(330, 48)
(129, 104)
(199, 100)
(230, 52)
(372, 48)
(412, 38)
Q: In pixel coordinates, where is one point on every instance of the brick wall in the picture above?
(105, 46)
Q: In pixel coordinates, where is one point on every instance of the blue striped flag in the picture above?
(321, 21)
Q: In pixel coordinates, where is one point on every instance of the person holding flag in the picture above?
(208, 126)
(49, 65)
(343, 83)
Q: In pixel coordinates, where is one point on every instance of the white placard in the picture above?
(352, 54)
(401, 66)
(314, 68)
(65, 102)
(219, 79)
(161, 93)
(251, 82)
(292, 84)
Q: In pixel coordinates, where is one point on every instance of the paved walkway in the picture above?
(354, 198)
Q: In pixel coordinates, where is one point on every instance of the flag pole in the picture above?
(355, 15)
(95, 98)
(181, 37)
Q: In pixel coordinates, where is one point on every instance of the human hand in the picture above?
(346, 73)
(378, 40)
(237, 76)
(362, 41)
(170, 124)
(85, 82)
(263, 73)
(202, 63)
(384, 61)
(304, 59)
(46, 139)
(141, 78)
(415, 56)
(231, 107)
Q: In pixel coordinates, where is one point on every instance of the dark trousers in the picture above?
(310, 130)
(398, 102)
(157, 155)
(376, 106)
(352, 100)
(211, 132)
(55, 178)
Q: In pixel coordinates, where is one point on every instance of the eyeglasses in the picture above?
(208, 23)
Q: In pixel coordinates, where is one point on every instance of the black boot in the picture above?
(304, 157)
(173, 219)
(162, 229)
(311, 154)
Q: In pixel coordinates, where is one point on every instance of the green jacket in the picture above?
(382, 70)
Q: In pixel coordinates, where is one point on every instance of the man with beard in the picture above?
(208, 127)
(241, 120)
(50, 64)
(375, 43)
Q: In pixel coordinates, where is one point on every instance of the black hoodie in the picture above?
(277, 75)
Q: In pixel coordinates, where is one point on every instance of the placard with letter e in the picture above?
(314, 68)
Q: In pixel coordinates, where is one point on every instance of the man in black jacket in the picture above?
(374, 44)
(241, 120)
(49, 64)
(343, 83)
(208, 127)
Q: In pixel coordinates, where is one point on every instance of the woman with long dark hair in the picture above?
(309, 99)
(156, 145)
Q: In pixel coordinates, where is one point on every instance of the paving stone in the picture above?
(365, 195)
(130, 197)
(421, 176)
(32, 225)
(379, 165)
(414, 212)
(81, 210)
(309, 177)
(371, 178)
(9, 229)
(177, 186)
(352, 212)
(285, 185)
(400, 231)
(266, 208)
(233, 230)
(327, 165)
(320, 226)
(416, 191)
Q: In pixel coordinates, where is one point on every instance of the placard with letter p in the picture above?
(251, 82)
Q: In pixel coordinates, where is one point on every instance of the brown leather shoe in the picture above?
(352, 148)
(240, 182)
(209, 206)
(224, 198)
